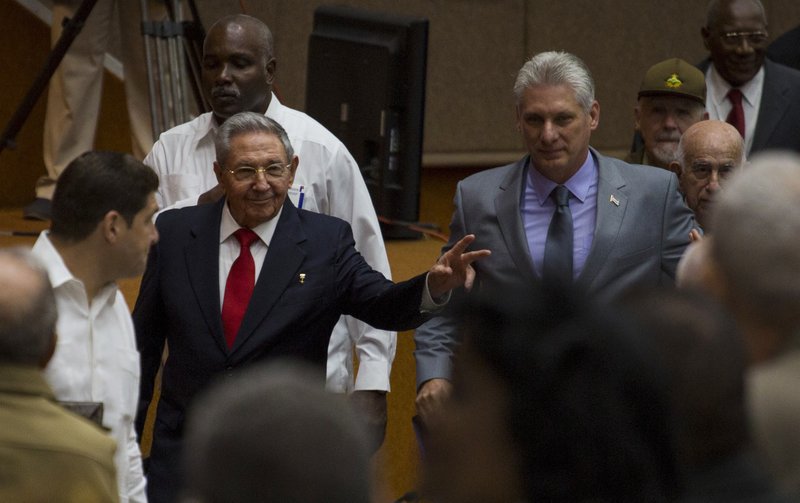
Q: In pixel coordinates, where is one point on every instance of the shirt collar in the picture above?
(750, 90)
(24, 380)
(59, 273)
(578, 184)
(274, 107)
(56, 268)
(209, 125)
(265, 230)
(206, 123)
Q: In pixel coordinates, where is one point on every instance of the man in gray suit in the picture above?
(627, 225)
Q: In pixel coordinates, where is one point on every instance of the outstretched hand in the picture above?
(453, 269)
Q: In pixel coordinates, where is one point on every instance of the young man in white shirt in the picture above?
(102, 229)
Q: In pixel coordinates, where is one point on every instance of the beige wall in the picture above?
(477, 46)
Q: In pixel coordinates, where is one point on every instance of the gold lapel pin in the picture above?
(614, 200)
(302, 278)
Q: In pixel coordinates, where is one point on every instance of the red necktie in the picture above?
(239, 286)
(736, 117)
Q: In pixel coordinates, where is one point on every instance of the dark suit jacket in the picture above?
(179, 302)
(778, 122)
(786, 49)
(636, 243)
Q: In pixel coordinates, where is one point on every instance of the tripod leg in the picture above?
(176, 71)
(71, 30)
(162, 69)
(148, 34)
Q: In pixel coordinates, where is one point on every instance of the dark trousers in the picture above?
(164, 474)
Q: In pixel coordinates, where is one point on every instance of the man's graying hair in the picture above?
(555, 68)
(248, 122)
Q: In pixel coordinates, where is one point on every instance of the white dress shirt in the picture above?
(96, 360)
(719, 106)
(332, 184)
(229, 247)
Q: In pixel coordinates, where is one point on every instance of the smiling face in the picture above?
(255, 201)
(737, 58)
(238, 68)
(662, 120)
(556, 129)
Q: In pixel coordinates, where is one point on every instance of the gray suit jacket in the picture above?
(637, 242)
(778, 123)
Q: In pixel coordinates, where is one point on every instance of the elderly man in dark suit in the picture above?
(277, 292)
(562, 213)
(757, 96)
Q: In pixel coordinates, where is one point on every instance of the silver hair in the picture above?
(27, 320)
(557, 68)
(756, 224)
(248, 122)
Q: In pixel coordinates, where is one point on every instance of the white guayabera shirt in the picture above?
(96, 360)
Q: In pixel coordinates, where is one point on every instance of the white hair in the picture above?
(756, 243)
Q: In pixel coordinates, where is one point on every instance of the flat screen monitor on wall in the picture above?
(366, 84)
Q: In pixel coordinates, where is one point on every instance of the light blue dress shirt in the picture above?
(537, 210)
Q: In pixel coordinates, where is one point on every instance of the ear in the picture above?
(675, 167)
(706, 34)
(49, 352)
(111, 226)
(293, 169)
(272, 64)
(218, 172)
(636, 117)
(594, 115)
(517, 119)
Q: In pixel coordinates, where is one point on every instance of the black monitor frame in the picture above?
(366, 84)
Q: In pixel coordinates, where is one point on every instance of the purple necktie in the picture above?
(557, 267)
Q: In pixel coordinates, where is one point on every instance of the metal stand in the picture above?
(72, 27)
(173, 50)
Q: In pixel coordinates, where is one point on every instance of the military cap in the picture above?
(674, 76)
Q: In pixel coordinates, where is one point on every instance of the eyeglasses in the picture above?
(703, 171)
(248, 173)
(735, 38)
